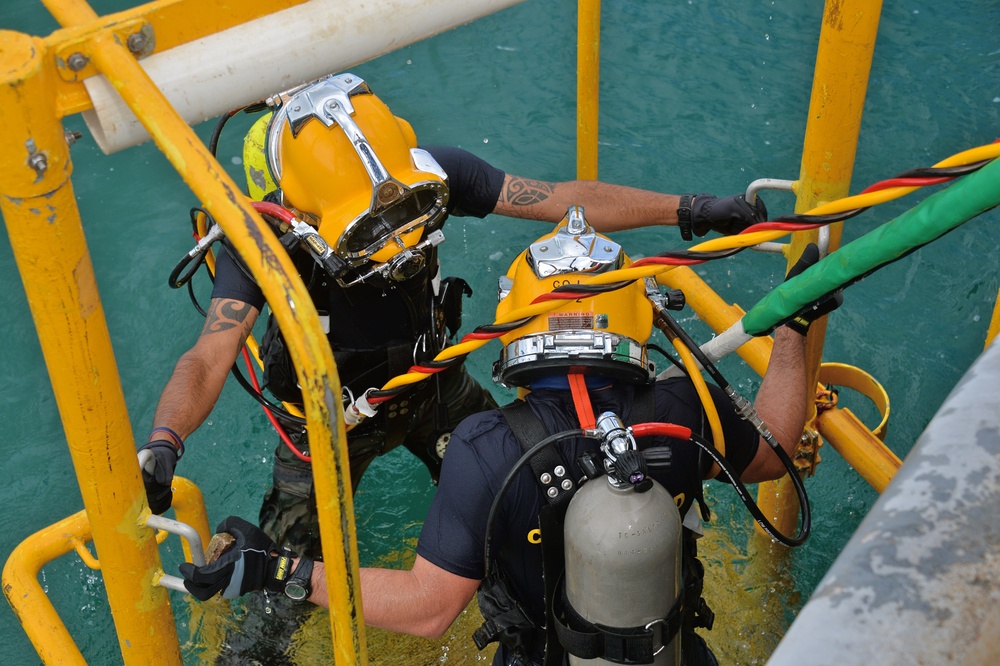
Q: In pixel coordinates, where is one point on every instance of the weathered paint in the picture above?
(59, 283)
(919, 582)
(840, 84)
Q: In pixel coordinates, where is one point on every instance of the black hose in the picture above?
(176, 280)
(521, 462)
(670, 327)
(667, 355)
(748, 501)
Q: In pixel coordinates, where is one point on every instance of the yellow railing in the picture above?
(43, 83)
(39, 208)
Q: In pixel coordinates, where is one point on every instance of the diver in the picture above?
(334, 154)
(586, 357)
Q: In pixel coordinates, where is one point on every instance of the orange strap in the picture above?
(584, 410)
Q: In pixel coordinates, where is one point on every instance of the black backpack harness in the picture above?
(565, 630)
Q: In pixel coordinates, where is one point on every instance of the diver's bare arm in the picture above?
(198, 377)
(781, 402)
(607, 207)
(423, 601)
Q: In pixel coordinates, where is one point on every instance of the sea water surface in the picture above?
(696, 96)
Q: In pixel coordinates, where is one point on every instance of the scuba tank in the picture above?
(623, 550)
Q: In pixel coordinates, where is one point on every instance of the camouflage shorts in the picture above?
(288, 512)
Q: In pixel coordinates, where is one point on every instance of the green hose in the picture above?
(925, 222)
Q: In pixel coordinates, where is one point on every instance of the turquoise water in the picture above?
(696, 96)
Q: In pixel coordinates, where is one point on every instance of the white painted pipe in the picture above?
(208, 77)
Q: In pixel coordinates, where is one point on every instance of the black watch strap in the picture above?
(299, 584)
(684, 216)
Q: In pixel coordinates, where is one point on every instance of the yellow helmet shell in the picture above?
(345, 163)
(604, 333)
(260, 182)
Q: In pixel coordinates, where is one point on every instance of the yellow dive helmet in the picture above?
(604, 333)
(343, 162)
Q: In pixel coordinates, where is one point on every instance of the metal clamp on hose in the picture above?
(358, 410)
(197, 255)
(319, 248)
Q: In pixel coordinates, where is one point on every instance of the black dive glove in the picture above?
(825, 305)
(248, 565)
(701, 213)
(158, 490)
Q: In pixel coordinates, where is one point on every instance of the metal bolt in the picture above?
(72, 136)
(137, 42)
(545, 478)
(566, 484)
(560, 470)
(38, 162)
(552, 492)
(77, 61)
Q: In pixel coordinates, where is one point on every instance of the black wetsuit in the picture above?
(377, 330)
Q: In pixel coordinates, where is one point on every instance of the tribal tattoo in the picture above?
(224, 315)
(525, 192)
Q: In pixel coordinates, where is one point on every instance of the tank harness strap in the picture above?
(545, 464)
(629, 645)
(643, 405)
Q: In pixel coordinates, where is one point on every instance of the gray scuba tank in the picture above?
(623, 558)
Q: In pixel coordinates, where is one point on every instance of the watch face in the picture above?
(296, 591)
(441, 445)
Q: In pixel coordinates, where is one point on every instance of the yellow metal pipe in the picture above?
(588, 75)
(294, 310)
(189, 508)
(859, 447)
(991, 332)
(38, 617)
(165, 24)
(47, 238)
(840, 83)
(847, 376)
(718, 314)
(170, 19)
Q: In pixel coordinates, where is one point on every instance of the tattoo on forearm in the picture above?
(225, 315)
(526, 192)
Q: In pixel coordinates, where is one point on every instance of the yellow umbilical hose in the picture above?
(701, 387)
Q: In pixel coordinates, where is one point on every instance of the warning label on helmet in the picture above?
(562, 321)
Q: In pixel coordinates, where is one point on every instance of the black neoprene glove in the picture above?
(825, 305)
(158, 490)
(701, 213)
(248, 565)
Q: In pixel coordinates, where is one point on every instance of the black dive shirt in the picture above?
(367, 316)
(482, 451)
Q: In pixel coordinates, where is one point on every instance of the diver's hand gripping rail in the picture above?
(185, 531)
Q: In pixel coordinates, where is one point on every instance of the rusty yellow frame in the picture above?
(41, 84)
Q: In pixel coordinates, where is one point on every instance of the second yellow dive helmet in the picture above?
(343, 162)
(604, 333)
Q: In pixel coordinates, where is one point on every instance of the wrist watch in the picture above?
(298, 586)
(684, 216)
